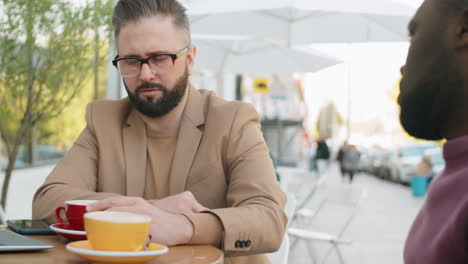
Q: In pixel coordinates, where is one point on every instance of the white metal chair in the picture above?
(281, 256)
(304, 232)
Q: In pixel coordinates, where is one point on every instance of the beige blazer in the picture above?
(221, 157)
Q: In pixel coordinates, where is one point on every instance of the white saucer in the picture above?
(83, 249)
(68, 233)
(58, 228)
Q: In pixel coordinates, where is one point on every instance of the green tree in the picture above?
(101, 24)
(42, 66)
(63, 130)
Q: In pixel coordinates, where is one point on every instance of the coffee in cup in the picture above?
(74, 211)
(117, 231)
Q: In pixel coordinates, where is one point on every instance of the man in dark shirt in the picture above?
(434, 105)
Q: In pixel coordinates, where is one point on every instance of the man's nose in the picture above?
(402, 69)
(146, 74)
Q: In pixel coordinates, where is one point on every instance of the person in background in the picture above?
(433, 101)
(339, 158)
(351, 158)
(322, 156)
(423, 168)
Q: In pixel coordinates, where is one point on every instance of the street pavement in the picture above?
(377, 231)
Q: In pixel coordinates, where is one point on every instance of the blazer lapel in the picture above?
(188, 140)
(135, 149)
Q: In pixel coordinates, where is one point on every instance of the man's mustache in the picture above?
(150, 86)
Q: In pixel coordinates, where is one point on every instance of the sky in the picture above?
(369, 71)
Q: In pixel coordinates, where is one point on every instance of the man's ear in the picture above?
(462, 30)
(191, 55)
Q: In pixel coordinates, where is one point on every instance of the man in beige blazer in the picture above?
(197, 164)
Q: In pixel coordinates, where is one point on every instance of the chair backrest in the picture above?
(281, 256)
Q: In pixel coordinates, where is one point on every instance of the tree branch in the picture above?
(5, 141)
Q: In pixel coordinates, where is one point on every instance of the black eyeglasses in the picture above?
(158, 63)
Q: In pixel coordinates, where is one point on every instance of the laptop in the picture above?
(11, 241)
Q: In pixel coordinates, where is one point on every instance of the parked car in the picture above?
(380, 162)
(388, 169)
(370, 157)
(409, 156)
(365, 164)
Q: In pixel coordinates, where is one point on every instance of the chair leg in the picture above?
(293, 241)
(340, 255)
(337, 249)
(311, 252)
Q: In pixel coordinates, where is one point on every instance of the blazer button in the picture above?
(243, 245)
(237, 244)
(248, 243)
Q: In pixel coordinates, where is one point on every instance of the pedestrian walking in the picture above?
(322, 156)
(351, 158)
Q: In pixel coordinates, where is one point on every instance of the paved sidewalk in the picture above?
(379, 229)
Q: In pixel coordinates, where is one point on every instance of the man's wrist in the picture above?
(152, 202)
(188, 229)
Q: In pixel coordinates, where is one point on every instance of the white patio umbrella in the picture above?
(222, 54)
(241, 54)
(300, 22)
(303, 21)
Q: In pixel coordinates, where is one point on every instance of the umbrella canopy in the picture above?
(298, 22)
(246, 55)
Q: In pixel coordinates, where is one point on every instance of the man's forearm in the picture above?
(50, 197)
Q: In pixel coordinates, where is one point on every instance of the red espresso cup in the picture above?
(74, 211)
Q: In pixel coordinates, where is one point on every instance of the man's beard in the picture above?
(427, 106)
(152, 107)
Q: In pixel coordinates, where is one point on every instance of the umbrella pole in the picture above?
(349, 103)
(220, 88)
(221, 73)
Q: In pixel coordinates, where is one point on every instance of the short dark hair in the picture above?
(453, 7)
(131, 10)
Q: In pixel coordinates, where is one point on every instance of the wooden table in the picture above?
(59, 255)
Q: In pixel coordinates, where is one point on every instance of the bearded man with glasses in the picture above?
(197, 164)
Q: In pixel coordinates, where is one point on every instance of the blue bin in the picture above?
(419, 185)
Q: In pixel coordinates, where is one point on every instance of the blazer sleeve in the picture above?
(74, 177)
(254, 221)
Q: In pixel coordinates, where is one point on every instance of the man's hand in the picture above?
(166, 228)
(182, 203)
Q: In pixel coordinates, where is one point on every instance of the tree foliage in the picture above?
(64, 129)
(44, 62)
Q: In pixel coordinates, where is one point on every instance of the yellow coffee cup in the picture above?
(117, 231)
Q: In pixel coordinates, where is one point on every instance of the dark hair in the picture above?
(453, 7)
(131, 10)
